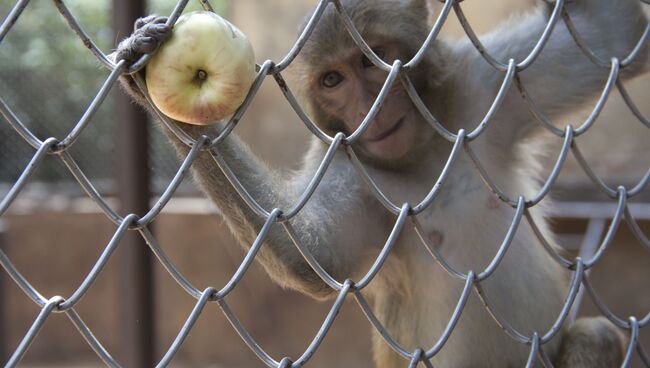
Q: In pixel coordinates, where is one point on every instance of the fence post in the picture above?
(136, 304)
(4, 348)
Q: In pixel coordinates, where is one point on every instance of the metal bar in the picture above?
(135, 283)
(605, 210)
(4, 321)
(588, 248)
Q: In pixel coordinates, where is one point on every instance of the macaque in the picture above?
(344, 226)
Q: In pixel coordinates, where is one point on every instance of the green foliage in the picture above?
(48, 78)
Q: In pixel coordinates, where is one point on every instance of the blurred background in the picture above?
(53, 232)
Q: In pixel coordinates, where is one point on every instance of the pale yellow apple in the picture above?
(203, 72)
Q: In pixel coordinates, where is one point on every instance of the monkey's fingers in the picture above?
(143, 41)
(153, 18)
(158, 31)
(133, 48)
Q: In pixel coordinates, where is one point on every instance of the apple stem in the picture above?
(200, 76)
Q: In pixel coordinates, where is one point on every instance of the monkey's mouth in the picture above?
(388, 132)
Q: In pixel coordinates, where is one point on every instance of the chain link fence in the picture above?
(462, 141)
(42, 57)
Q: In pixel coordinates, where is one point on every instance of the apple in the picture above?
(203, 72)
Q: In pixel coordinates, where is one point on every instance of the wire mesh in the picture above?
(462, 140)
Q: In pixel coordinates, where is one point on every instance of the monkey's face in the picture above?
(339, 84)
(344, 91)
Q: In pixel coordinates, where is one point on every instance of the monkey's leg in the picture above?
(592, 343)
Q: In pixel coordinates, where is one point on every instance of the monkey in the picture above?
(344, 226)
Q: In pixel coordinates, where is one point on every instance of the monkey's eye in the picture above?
(367, 63)
(331, 79)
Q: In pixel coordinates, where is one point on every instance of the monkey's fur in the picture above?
(344, 226)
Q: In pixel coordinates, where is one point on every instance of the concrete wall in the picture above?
(56, 250)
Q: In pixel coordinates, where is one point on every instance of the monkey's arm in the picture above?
(318, 226)
(339, 195)
(562, 79)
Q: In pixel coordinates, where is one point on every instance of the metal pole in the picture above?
(135, 284)
(589, 246)
(4, 348)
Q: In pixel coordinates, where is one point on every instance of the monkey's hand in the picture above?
(149, 32)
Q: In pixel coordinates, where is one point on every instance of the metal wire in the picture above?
(462, 140)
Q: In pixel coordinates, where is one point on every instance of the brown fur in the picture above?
(593, 343)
